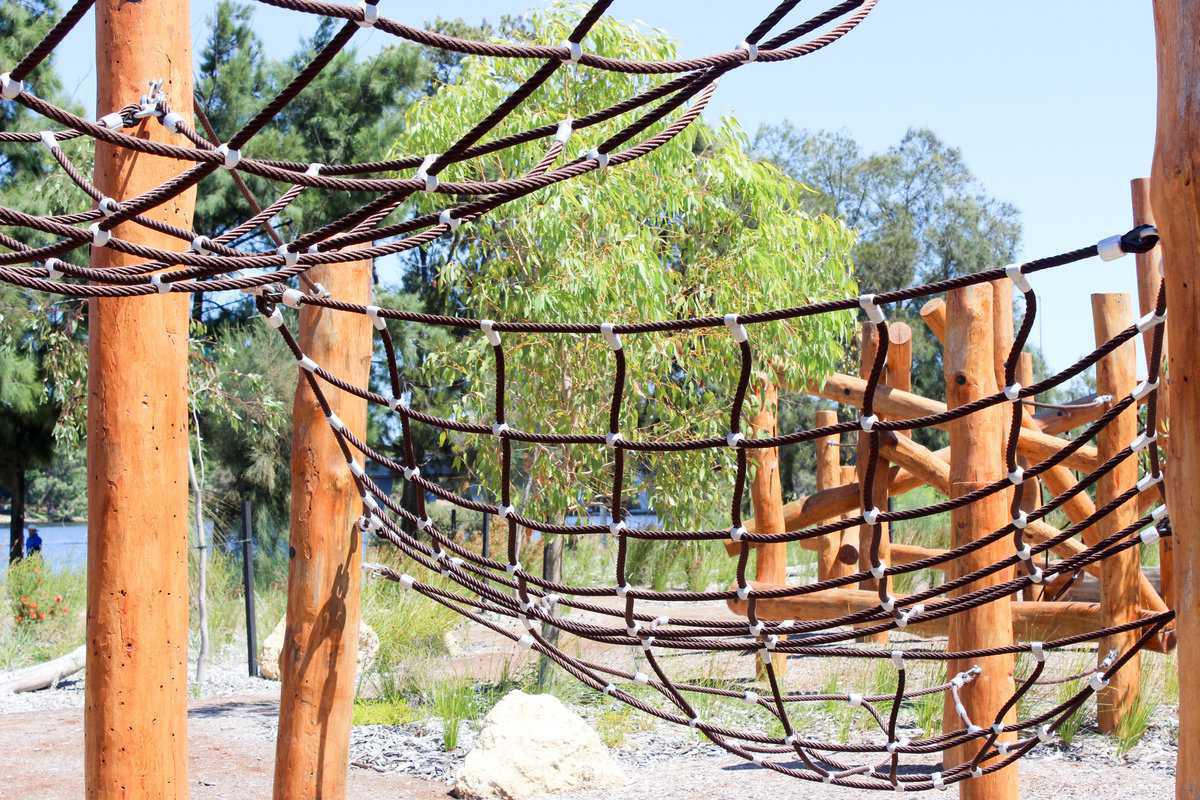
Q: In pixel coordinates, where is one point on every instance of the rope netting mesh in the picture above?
(489, 590)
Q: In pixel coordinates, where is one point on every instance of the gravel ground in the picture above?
(669, 763)
(222, 680)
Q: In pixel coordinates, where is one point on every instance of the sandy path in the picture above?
(231, 751)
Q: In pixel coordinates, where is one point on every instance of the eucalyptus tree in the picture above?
(698, 227)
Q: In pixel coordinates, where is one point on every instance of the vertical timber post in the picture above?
(975, 461)
(766, 494)
(1119, 587)
(1175, 194)
(829, 476)
(1149, 280)
(135, 697)
(318, 663)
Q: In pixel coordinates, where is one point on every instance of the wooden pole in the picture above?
(1150, 278)
(1175, 192)
(318, 662)
(829, 476)
(975, 461)
(135, 697)
(766, 494)
(1116, 375)
(248, 587)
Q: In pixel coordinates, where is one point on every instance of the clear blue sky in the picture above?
(1052, 104)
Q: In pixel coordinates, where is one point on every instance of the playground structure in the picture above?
(999, 458)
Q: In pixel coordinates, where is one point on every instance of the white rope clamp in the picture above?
(49, 140)
(1012, 392)
(274, 320)
(370, 12)
(855, 700)
(506, 511)
(489, 329)
(898, 659)
(431, 181)
(612, 438)
(1109, 249)
(500, 428)
(1150, 320)
(10, 88)
(736, 329)
(1017, 476)
(100, 236)
(1143, 441)
(356, 469)
(1038, 651)
(290, 258)
(172, 121)
(1044, 734)
(1158, 513)
(1014, 273)
(616, 528)
(613, 339)
(232, 157)
(879, 570)
(1020, 520)
(1025, 553)
(1149, 481)
(156, 280)
(1142, 389)
(448, 219)
(868, 422)
(411, 473)
(113, 121)
(938, 782)
(565, 129)
(335, 422)
(751, 51)
(52, 269)
(292, 298)
(743, 592)
(737, 532)
(1150, 535)
(574, 51)
(526, 641)
(200, 245)
(307, 363)
(871, 516)
(601, 159)
(1097, 681)
(867, 303)
(750, 697)
(379, 322)
(407, 581)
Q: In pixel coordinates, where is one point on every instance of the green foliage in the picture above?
(43, 618)
(453, 700)
(385, 711)
(696, 228)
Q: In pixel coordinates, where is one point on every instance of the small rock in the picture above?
(532, 745)
(272, 647)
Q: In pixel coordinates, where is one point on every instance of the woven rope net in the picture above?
(490, 591)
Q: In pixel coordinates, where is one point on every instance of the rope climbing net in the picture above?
(488, 590)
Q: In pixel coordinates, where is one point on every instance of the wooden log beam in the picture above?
(1116, 374)
(1149, 278)
(1037, 446)
(135, 696)
(318, 660)
(1073, 414)
(44, 675)
(976, 444)
(934, 315)
(1034, 621)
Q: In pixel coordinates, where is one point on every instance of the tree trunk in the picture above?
(16, 525)
(551, 571)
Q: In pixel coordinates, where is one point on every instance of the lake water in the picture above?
(64, 545)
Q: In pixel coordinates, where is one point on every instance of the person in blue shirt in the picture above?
(33, 543)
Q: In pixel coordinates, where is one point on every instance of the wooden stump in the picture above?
(766, 493)
(135, 698)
